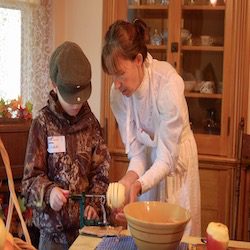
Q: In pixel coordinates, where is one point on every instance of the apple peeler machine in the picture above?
(81, 198)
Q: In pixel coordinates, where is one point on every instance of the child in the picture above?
(65, 153)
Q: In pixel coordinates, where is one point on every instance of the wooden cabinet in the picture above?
(119, 165)
(205, 42)
(192, 37)
(217, 193)
(14, 135)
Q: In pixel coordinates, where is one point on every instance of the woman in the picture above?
(148, 102)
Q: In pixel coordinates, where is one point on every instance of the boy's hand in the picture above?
(58, 197)
(119, 217)
(90, 213)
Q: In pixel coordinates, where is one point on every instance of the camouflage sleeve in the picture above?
(36, 186)
(99, 174)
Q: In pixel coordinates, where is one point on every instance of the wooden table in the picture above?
(90, 243)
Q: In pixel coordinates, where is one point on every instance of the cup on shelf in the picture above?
(164, 2)
(206, 40)
(156, 38)
(135, 2)
(207, 87)
(189, 85)
(197, 86)
(185, 35)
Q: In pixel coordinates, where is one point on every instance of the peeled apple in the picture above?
(115, 195)
(217, 236)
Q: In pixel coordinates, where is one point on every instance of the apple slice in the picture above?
(217, 236)
(115, 195)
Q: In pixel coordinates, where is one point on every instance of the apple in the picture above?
(217, 236)
(115, 195)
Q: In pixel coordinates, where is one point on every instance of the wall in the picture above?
(80, 21)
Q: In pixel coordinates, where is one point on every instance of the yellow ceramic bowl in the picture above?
(156, 225)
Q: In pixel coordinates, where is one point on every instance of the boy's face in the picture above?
(70, 109)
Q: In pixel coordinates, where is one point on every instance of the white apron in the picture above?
(183, 187)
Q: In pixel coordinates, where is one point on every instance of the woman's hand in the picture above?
(128, 180)
(132, 191)
(90, 213)
(135, 191)
(58, 197)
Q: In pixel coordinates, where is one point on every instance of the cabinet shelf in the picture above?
(202, 95)
(147, 7)
(202, 48)
(205, 134)
(157, 47)
(203, 7)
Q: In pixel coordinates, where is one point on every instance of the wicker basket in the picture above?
(18, 243)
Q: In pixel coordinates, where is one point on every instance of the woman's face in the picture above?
(130, 76)
(70, 109)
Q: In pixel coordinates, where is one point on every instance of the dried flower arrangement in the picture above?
(15, 109)
(16, 228)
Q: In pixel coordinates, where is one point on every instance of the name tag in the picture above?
(56, 144)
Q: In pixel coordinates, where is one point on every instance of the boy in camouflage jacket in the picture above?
(66, 153)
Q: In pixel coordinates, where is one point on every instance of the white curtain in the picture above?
(36, 49)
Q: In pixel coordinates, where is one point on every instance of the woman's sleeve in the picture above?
(122, 110)
(170, 104)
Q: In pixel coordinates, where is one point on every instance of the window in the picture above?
(25, 47)
(10, 51)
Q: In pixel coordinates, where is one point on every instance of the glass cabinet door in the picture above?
(202, 66)
(155, 14)
(189, 34)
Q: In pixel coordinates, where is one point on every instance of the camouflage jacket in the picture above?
(82, 168)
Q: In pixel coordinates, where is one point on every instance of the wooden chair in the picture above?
(243, 217)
